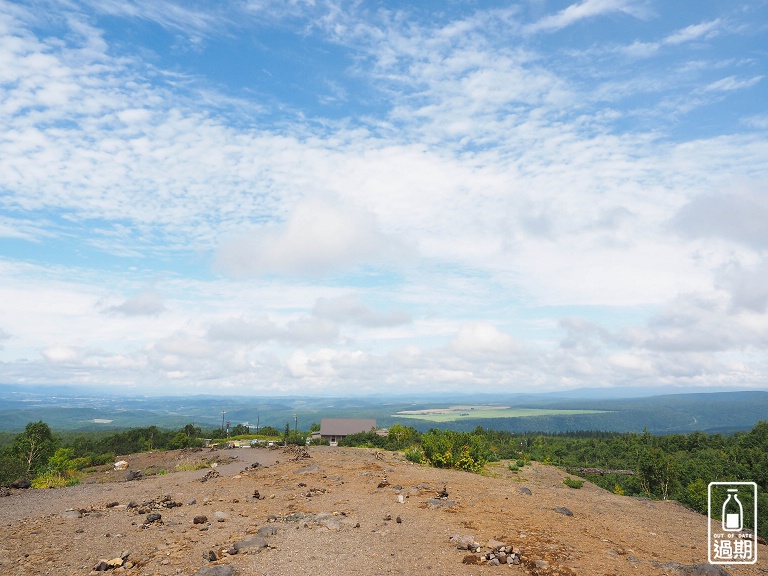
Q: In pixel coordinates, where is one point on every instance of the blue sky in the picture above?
(329, 197)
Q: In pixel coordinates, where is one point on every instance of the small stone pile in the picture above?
(160, 503)
(494, 553)
(315, 492)
(297, 453)
(210, 475)
(440, 500)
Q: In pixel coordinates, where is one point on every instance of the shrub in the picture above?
(573, 483)
(296, 438)
(451, 449)
(53, 479)
(467, 462)
(368, 439)
(105, 458)
(61, 461)
(415, 455)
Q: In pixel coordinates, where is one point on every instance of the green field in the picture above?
(455, 413)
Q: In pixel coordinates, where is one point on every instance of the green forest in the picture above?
(666, 467)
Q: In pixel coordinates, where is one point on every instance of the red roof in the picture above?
(345, 426)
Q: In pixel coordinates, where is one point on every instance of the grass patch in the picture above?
(188, 466)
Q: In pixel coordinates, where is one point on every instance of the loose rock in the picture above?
(252, 543)
(693, 569)
(268, 531)
(216, 571)
(440, 503)
(465, 542)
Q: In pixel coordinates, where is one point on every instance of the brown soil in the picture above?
(607, 534)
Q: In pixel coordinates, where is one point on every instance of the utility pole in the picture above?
(222, 421)
(296, 423)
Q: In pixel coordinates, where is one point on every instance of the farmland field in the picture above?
(455, 413)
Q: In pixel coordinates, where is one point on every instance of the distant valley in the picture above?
(81, 409)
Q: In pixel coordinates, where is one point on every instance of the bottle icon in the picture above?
(733, 513)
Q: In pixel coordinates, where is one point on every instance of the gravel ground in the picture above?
(336, 512)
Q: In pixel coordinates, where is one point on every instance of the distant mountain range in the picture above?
(622, 410)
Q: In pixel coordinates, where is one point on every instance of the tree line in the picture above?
(55, 459)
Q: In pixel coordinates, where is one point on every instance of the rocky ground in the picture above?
(334, 511)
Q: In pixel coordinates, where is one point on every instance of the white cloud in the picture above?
(738, 213)
(759, 121)
(747, 285)
(732, 83)
(349, 308)
(318, 237)
(325, 364)
(481, 340)
(61, 354)
(172, 15)
(702, 31)
(243, 329)
(23, 229)
(146, 303)
(584, 10)
(694, 32)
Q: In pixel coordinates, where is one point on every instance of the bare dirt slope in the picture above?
(338, 512)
